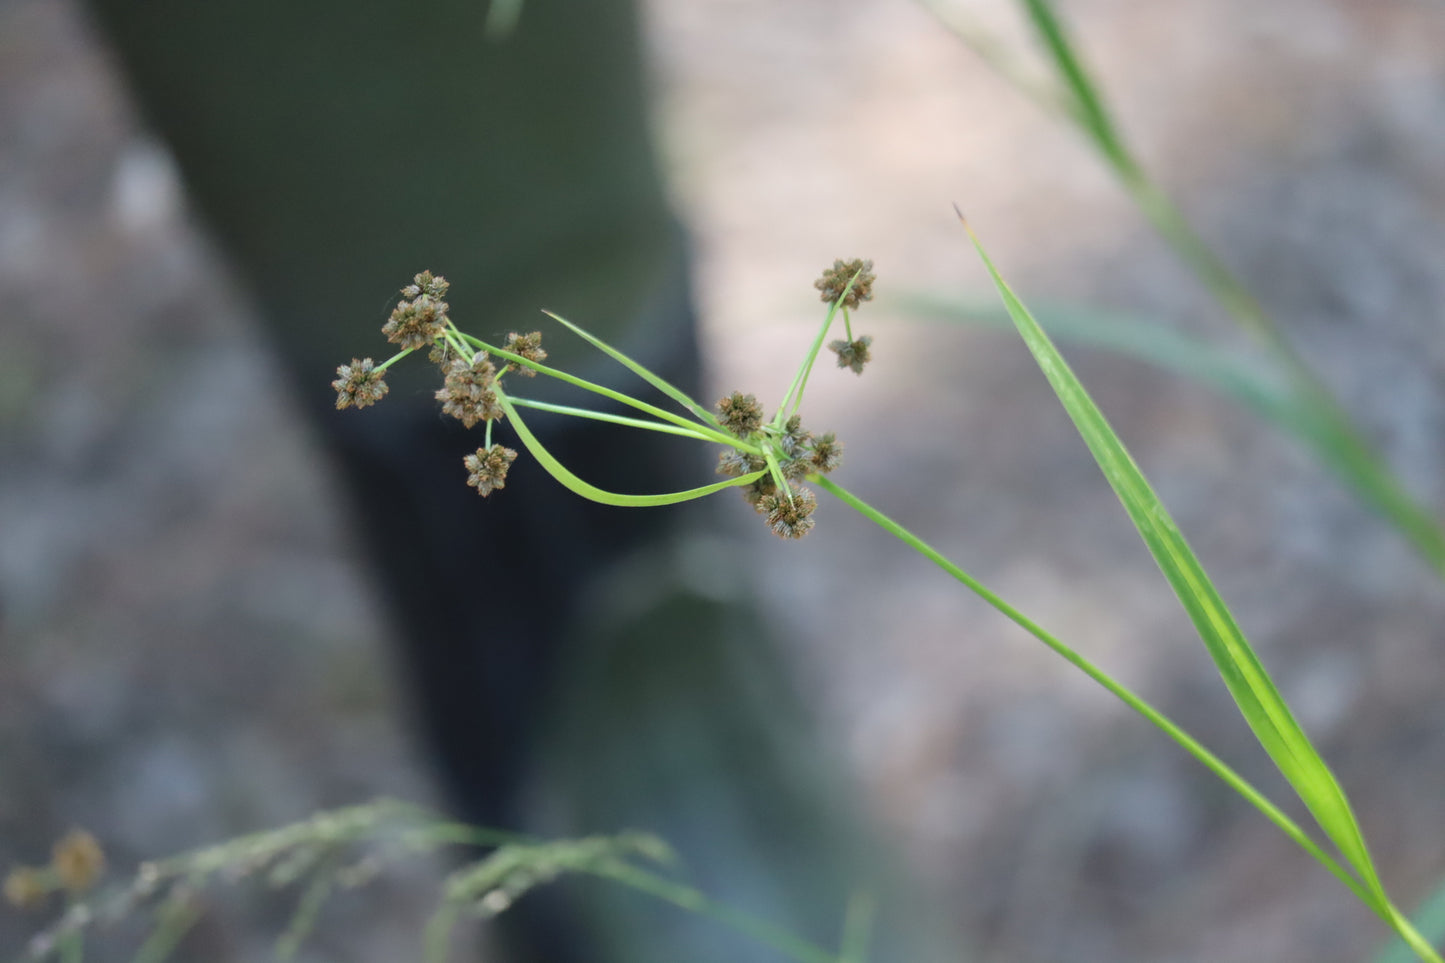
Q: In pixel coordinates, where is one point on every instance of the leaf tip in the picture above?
(964, 221)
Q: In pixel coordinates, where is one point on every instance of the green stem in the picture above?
(393, 359)
(780, 482)
(1121, 692)
(570, 481)
(710, 433)
(794, 396)
(611, 418)
(1412, 937)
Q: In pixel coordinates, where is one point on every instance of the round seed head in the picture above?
(740, 414)
(488, 468)
(358, 384)
(835, 280)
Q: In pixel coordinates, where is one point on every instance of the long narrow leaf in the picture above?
(1088, 108)
(610, 418)
(667, 388)
(718, 435)
(1249, 683)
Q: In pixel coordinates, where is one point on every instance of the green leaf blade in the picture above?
(661, 384)
(1260, 702)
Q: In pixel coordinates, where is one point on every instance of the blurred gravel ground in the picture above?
(187, 650)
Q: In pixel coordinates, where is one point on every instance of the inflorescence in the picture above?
(470, 380)
(849, 284)
(795, 454)
(768, 458)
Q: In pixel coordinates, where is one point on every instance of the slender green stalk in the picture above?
(1121, 692)
(610, 418)
(1430, 916)
(711, 434)
(667, 388)
(394, 359)
(72, 946)
(560, 472)
(794, 396)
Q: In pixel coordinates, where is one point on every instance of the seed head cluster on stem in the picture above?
(767, 459)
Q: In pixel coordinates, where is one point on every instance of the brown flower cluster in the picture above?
(798, 454)
(467, 393)
(488, 468)
(471, 384)
(419, 318)
(789, 518)
(358, 384)
(835, 280)
(852, 354)
(528, 346)
(740, 414)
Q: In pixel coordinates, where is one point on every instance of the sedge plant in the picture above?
(773, 460)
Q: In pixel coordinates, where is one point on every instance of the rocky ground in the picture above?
(187, 649)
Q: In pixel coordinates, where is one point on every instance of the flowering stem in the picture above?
(794, 398)
(393, 359)
(847, 324)
(1121, 692)
(709, 433)
(453, 337)
(605, 416)
(777, 472)
(570, 481)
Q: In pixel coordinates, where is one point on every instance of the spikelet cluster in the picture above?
(797, 452)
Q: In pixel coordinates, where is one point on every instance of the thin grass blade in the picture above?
(1088, 107)
(610, 418)
(1249, 683)
(661, 384)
